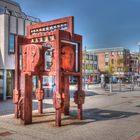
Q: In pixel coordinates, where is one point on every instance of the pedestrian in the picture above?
(102, 80)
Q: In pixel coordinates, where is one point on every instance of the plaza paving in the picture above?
(107, 116)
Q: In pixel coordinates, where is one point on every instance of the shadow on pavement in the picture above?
(91, 93)
(93, 115)
(7, 108)
(101, 115)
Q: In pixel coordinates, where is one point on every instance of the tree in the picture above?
(120, 61)
(110, 71)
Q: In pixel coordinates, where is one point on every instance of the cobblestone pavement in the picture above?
(107, 116)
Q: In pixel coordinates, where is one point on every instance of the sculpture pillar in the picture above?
(57, 101)
(66, 98)
(25, 102)
(40, 95)
(79, 97)
(16, 91)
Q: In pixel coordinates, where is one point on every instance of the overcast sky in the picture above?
(103, 23)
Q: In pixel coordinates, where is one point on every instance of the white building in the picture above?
(12, 22)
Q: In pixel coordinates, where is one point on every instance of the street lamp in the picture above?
(139, 59)
(85, 67)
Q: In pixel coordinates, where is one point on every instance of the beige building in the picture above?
(134, 68)
(90, 66)
(114, 60)
(12, 22)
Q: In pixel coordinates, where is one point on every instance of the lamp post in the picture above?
(139, 59)
(84, 67)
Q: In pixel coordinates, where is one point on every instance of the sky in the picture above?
(102, 23)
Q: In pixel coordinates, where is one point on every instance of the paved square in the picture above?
(107, 116)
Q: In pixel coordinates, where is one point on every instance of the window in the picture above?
(121, 69)
(120, 53)
(95, 66)
(48, 60)
(83, 66)
(95, 58)
(113, 69)
(112, 53)
(91, 57)
(112, 61)
(11, 48)
(91, 66)
(87, 57)
(106, 63)
(118, 69)
(106, 55)
(24, 27)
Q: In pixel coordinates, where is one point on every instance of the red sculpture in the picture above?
(52, 49)
(67, 58)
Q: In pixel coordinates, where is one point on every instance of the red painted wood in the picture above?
(67, 58)
(34, 47)
(25, 103)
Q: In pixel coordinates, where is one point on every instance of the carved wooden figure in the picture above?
(50, 49)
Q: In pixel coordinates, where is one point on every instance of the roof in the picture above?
(109, 49)
(6, 9)
(91, 52)
(12, 2)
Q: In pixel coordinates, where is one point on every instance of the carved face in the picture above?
(34, 56)
(68, 58)
(30, 57)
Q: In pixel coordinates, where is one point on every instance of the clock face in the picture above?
(67, 58)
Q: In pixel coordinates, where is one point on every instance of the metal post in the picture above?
(4, 84)
(139, 60)
(110, 84)
(85, 67)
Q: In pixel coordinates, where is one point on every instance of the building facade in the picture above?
(114, 61)
(134, 64)
(90, 66)
(12, 22)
